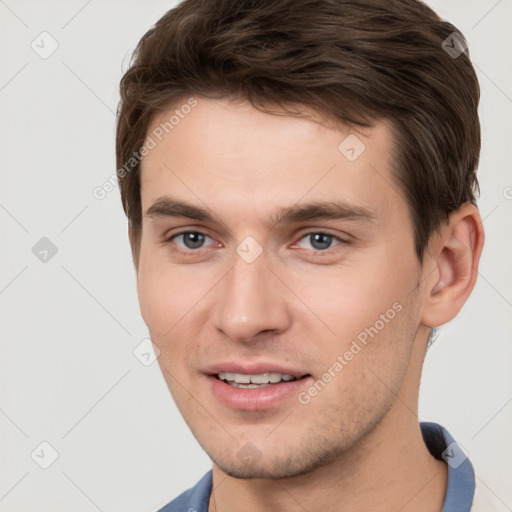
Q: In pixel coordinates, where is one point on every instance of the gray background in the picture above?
(70, 323)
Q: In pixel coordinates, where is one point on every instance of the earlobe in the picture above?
(456, 257)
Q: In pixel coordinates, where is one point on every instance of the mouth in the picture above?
(256, 389)
(256, 381)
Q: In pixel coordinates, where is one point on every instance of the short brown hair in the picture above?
(355, 61)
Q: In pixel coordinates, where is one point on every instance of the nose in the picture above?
(250, 301)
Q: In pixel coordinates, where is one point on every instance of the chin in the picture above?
(272, 466)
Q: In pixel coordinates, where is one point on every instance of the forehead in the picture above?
(230, 155)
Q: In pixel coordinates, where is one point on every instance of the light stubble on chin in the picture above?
(324, 444)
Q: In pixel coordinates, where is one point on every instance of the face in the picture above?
(278, 278)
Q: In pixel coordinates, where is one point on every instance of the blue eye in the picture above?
(320, 241)
(191, 239)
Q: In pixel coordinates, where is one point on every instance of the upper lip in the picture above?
(253, 368)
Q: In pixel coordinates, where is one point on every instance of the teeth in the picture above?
(262, 378)
(248, 386)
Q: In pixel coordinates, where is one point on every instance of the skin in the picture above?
(357, 443)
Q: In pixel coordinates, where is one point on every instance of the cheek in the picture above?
(347, 301)
(162, 309)
(364, 372)
(160, 294)
(171, 305)
(364, 327)
(160, 290)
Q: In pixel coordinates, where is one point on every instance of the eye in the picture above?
(189, 239)
(319, 241)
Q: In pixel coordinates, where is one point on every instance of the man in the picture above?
(299, 179)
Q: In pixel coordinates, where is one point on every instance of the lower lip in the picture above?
(255, 399)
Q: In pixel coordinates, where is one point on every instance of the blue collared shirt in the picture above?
(459, 491)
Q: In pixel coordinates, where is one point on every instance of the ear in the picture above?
(454, 256)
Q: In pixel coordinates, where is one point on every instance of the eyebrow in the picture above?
(333, 210)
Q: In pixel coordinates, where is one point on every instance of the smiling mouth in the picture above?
(257, 381)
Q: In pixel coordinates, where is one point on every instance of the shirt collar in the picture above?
(461, 477)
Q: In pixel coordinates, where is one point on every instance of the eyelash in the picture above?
(317, 252)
